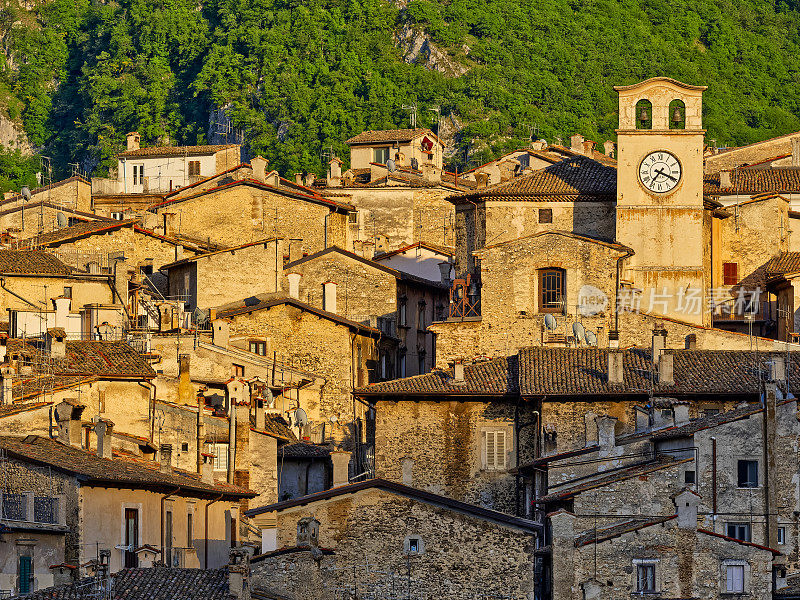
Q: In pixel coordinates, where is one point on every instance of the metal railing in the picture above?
(15, 507)
(45, 509)
(30, 508)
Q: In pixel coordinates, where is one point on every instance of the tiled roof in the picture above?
(785, 262)
(303, 450)
(495, 377)
(198, 257)
(729, 416)
(154, 583)
(601, 534)
(445, 250)
(401, 490)
(389, 135)
(92, 358)
(176, 150)
(576, 178)
(752, 181)
(44, 188)
(94, 470)
(637, 470)
(277, 426)
(27, 262)
(78, 230)
(36, 385)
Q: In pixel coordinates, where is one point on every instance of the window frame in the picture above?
(489, 461)
(745, 528)
(730, 273)
(220, 462)
(747, 483)
(781, 536)
(640, 567)
(385, 153)
(729, 566)
(549, 306)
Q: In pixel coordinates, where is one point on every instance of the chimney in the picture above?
(103, 429)
(63, 574)
(241, 473)
(666, 374)
(56, 342)
(310, 177)
(444, 269)
(259, 166)
(186, 395)
(431, 173)
(239, 573)
(273, 179)
(458, 372)
(329, 296)
(686, 506)
(3, 348)
(132, 140)
(590, 424)
(642, 419)
(615, 370)
(298, 178)
(7, 372)
(606, 437)
(341, 462)
(294, 284)
(220, 333)
(588, 148)
(166, 458)
(231, 433)
(68, 418)
(169, 224)
(576, 143)
(562, 529)
(725, 179)
(691, 342)
(613, 339)
(207, 470)
(680, 410)
(796, 151)
(334, 173)
(200, 431)
(482, 179)
(61, 306)
(295, 249)
(608, 148)
(538, 145)
(777, 369)
(659, 342)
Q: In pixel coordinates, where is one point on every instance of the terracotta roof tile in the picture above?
(277, 426)
(601, 534)
(76, 231)
(28, 262)
(389, 135)
(785, 262)
(303, 450)
(753, 181)
(579, 178)
(176, 150)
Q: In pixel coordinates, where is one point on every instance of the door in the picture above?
(131, 537)
(25, 574)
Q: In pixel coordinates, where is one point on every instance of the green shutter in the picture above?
(25, 574)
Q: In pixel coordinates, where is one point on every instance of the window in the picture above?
(781, 536)
(194, 168)
(545, 215)
(730, 273)
(494, 450)
(739, 531)
(233, 532)
(747, 474)
(689, 477)
(189, 530)
(401, 365)
(352, 217)
(220, 457)
(257, 347)
(138, 174)
(380, 155)
(413, 545)
(644, 114)
(402, 316)
(421, 316)
(646, 578)
(131, 537)
(734, 579)
(421, 362)
(117, 216)
(238, 370)
(551, 290)
(68, 291)
(184, 446)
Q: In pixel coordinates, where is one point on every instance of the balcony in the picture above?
(29, 511)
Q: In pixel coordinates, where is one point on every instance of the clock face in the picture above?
(660, 172)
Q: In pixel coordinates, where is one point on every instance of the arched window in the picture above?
(552, 288)
(677, 114)
(644, 114)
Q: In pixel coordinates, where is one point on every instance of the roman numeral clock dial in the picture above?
(660, 172)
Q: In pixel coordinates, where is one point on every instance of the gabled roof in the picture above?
(19, 207)
(198, 257)
(443, 250)
(646, 82)
(91, 358)
(601, 534)
(32, 262)
(44, 188)
(401, 490)
(729, 416)
(266, 304)
(390, 135)
(495, 377)
(77, 231)
(558, 232)
(752, 181)
(111, 472)
(785, 262)
(155, 151)
(574, 179)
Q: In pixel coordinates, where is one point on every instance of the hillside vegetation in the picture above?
(298, 77)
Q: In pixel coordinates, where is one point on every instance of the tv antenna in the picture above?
(412, 108)
(438, 110)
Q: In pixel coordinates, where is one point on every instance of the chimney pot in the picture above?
(680, 411)
(68, 417)
(725, 179)
(576, 143)
(103, 430)
(659, 342)
(666, 374)
(613, 339)
(615, 368)
(132, 140)
(608, 148)
(298, 178)
(310, 179)
(166, 458)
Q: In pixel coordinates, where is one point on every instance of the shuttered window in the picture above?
(730, 273)
(494, 443)
(194, 168)
(734, 579)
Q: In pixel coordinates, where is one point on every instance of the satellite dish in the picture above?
(390, 165)
(300, 418)
(591, 338)
(25, 192)
(578, 331)
(414, 164)
(61, 219)
(550, 322)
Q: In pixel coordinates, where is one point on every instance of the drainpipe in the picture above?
(325, 247)
(714, 478)
(627, 254)
(172, 493)
(3, 285)
(205, 523)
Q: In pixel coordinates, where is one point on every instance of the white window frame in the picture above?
(138, 174)
(730, 566)
(645, 562)
(493, 456)
(781, 535)
(220, 451)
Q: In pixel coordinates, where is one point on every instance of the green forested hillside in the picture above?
(300, 76)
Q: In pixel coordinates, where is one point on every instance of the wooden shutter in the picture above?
(730, 273)
(735, 578)
(495, 450)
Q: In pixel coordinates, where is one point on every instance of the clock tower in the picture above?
(660, 211)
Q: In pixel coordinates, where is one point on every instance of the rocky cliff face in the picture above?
(418, 49)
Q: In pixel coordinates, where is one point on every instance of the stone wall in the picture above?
(750, 154)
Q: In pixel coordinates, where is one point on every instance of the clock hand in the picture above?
(665, 174)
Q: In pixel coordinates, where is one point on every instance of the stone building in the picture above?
(386, 534)
(406, 147)
(400, 304)
(780, 151)
(421, 259)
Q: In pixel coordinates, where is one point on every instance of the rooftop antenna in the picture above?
(413, 109)
(438, 110)
(550, 322)
(591, 338)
